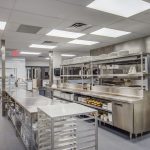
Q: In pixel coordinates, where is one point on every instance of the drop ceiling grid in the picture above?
(70, 11)
(34, 19)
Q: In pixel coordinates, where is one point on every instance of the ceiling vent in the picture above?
(79, 27)
(49, 43)
(28, 29)
(41, 56)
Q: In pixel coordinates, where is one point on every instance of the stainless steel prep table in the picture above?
(22, 111)
(63, 128)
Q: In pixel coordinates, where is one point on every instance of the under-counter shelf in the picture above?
(96, 107)
(105, 122)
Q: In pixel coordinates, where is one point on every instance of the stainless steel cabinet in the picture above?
(123, 116)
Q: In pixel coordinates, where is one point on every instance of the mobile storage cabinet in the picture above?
(67, 127)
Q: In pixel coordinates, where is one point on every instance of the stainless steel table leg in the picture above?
(130, 136)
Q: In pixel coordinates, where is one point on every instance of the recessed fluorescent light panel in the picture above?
(124, 8)
(68, 55)
(30, 53)
(42, 46)
(110, 32)
(65, 34)
(47, 58)
(2, 25)
(83, 42)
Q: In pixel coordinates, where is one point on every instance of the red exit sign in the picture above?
(15, 53)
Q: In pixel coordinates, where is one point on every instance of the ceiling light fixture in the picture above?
(42, 46)
(65, 34)
(68, 55)
(2, 25)
(47, 58)
(110, 32)
(83, 42)
(124, 8)
(30, 53)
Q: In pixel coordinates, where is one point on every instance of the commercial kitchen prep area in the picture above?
(74, 74)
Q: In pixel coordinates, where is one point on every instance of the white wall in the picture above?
(37, 63)
(18, 64)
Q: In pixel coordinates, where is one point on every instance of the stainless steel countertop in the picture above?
(60, 110)
(29, 100)
(106, 96)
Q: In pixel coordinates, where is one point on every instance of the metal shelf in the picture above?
(110, 123)
(79, 75)
(121, 75)
(62, 98)
(116, 59)
(99, 108)
(92, 106)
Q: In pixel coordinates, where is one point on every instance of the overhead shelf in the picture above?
(138, 74)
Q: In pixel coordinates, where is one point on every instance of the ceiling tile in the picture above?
(109, 40)
(4, 14)
(132, 26)
(143, 17)
(126, 38)
(78, 2)
(23, 37)
(7, 3)
(16, 45)
(32, 19)
(97, 38)
(56, 39)
(72, 47)
(11, 26)
(66, 11)
(77, 48)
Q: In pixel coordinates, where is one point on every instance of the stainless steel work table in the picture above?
(22, 111)
(28, 99)
(64, 127)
